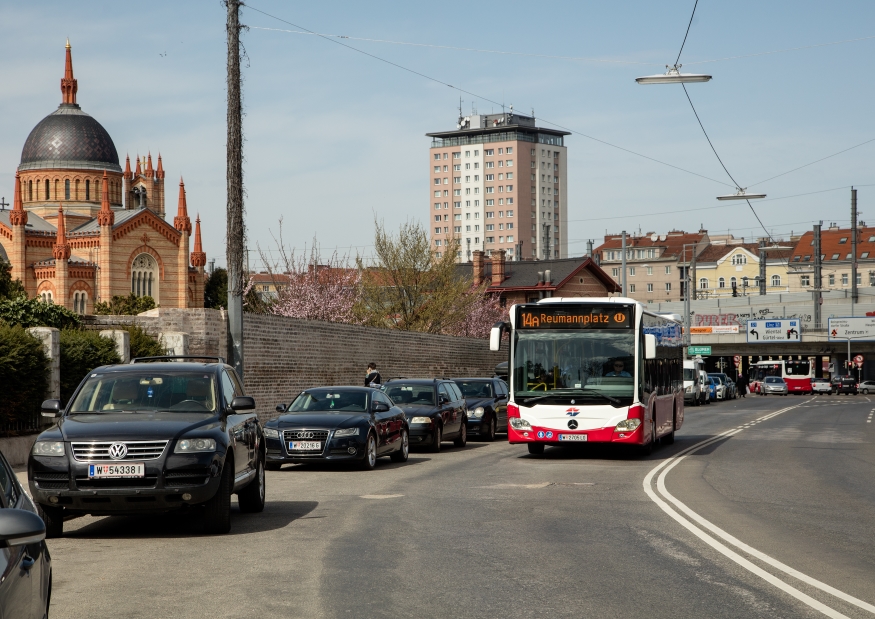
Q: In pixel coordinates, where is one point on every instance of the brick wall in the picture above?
(285, 355)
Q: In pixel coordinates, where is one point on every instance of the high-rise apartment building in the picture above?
(499, 182)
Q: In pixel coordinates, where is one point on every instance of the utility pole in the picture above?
(234, 152)
(853, 248)
(763, 267)
(623, 279)
(693, 273)
(818, 278)
(687, 307)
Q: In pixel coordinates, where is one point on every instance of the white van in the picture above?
(692, 382)
(705, 381)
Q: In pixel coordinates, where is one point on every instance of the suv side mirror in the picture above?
(51, 408)
(19, 527)
(444, 399)
(280, 408)
(380, 407)
(243, 403)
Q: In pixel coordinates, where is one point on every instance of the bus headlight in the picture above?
(519, 424)
(627, 425)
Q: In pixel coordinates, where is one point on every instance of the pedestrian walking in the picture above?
(742, 384)
(372, 376)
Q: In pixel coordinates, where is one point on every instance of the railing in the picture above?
(31, 424)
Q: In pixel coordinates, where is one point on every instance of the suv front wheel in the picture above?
(251, 498)
(217, 511)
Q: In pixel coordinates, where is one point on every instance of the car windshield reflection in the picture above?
(185, 392)
(330, 400)
(410, 394)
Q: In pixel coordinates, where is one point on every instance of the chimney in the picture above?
(548, 277)
(498, 267)
(540, 278)
(478, 267)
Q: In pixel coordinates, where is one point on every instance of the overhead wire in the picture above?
(687, 33)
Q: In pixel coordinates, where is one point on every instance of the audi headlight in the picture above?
(627, 425)
(477, 412)
(520, 424)
(346, 432)
(48, 448)
(194, 445)
(420, 420)
(271, 433)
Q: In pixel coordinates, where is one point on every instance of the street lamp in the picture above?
(741, 194)
(673, 75)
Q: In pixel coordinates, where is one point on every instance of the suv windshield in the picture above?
(317, 400)
(475, 388)
(186, 392)
(410, 394)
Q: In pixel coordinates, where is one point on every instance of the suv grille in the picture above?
(136, 450)
(304, 434)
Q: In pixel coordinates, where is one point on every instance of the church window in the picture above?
(30, 190)
(87, 189)
(144, 277)
(46, 296)
(67, 189)
(47, 189)
(79, 302)
(76, 197)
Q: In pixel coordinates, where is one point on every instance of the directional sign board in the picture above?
(766, 331)
(698, 350)
(858, 329)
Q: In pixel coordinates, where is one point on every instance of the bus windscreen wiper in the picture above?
(602, 395)
(553, 394)
(575, 394)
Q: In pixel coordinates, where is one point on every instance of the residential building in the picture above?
(499, 182)
(529, 281)
(722, 268)
(656, 265)
(836, 259)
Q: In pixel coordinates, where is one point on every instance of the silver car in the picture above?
(821, 385)
(774, 385)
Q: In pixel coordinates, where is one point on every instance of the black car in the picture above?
(25, 564)
(344, 424)
(844, 384)
(435, 409)
(152, 436)
(486, 399)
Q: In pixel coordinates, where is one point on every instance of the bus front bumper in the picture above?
(552, 436)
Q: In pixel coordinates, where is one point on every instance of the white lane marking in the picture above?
(380, 496)
(543, 484)
(724, 550)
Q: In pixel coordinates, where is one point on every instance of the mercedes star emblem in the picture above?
(118, 451)
(572, 425)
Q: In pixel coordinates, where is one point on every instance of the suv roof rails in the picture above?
(395, 378)
(176, 357)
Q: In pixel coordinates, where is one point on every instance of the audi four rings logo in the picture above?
(572, 425)
(118, 451)
(304, 435)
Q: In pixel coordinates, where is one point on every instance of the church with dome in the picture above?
(82, 229)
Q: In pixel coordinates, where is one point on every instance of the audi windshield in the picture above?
(329, 401)
(185, 392)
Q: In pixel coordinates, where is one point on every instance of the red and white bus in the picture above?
(596, 370)
(796, 373)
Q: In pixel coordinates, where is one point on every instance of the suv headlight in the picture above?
(271, 433)
(477, 412)
(194, 445)
(346, 432)
(48, 448)
(420, 420)
(520, 424)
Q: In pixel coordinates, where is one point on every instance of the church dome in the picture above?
(69, 138)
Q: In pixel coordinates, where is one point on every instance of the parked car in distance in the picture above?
(775, 385)
(844, 384)
(866, 386)
(721, 392)
(712, 385)
(486, 400)
(337, 424)
(705, 383)
(821, 385)
(157, 435)
(729, 390)
(692, 383)
(435, 410)
(26, 584)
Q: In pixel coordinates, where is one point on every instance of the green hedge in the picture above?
(24, 374)
(81, 352)
(143, 344)
(36, 313)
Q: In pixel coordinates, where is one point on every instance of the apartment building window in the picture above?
(501, 239)
(446, 155)
(805, 280)
(467, 179)
(668, 286)
(437, 230)
(490, 177)
(437, 205)
(533, 152)
(457, 179)
(437, 169)
(703, 283)
(844, 279)
(832, 280)
(476, 202)
(476, 153)
(510, 226)
(468, 229)
(467, 191)
(457, 192)
(534, 165)
(843, 240)
(476, 239)
(509, 163)
(446, 181)
(437, 194)
(490, 239)
(457, 155)
(457, 217)
(631, 271)
(490, 214)
(509, 201)
(446, 192)
(447, 217)
(500, 151)
(490, 190)
(509, 187)
(510, 213)
(500, 164)
(501, 226)
(467, 215)
(510, 239)
(467, 153)
(835, 256)
(489, 152)
(476, 166)
(476, 190)
(467, 203)
(489, 164)
(501, 200)
(490, 227)
(721, 282)
(650, 288)
(476, 215)
(437, 242)
(437, 156)
(650, 270)
(476, 177)
(490, 202)
(509, 150)
(437, 181)
(733, 283)
(615, 272)
(457, 167)
(457, 204)
(631, 287)
(859, 278)
(509, 176)
(667, 270)
(446, 169)
(446, 230)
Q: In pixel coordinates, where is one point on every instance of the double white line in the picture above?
(664, 497)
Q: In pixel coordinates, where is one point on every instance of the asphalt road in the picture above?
(488, 531)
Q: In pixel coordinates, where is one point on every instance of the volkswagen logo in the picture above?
(572, 425)
(118, 451)
(303, 435)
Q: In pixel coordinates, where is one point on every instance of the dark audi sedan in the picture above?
(153, 436)
(357, 424)
(486, 399)
(435, 409)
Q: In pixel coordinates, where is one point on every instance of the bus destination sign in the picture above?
(563, 316)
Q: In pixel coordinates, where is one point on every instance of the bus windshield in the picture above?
(596, 367)
(797, 368)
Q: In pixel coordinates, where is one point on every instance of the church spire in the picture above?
(106, 217)
(198, 257)
(128, 173)
(137, 170)
(149, 171)
(160, 171)
(61, 250)
(182, 222)
(69, 86)
(18, 216)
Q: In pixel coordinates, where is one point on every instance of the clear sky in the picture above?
(335, 138)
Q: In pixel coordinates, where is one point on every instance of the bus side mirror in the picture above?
(495, 335)
(649, 346)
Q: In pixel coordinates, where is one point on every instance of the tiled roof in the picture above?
(674, 242)
(831, 245)
(524, 274)
(713, 253)
(34, 222)
(121, 216)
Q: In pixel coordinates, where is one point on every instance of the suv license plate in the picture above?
(573, 437)
(305, 446)
(129, 469)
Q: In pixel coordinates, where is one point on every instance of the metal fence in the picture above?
(31, 424)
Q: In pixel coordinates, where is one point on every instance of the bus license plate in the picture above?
(305, 446)
(128, 469)
(573, 437)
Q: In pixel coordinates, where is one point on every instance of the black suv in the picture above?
(844, 384)
(435, 410)
(156, 435)
(486, 399)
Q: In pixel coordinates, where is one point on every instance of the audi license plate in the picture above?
(128, 469)
(305, 446)
(573, 437)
